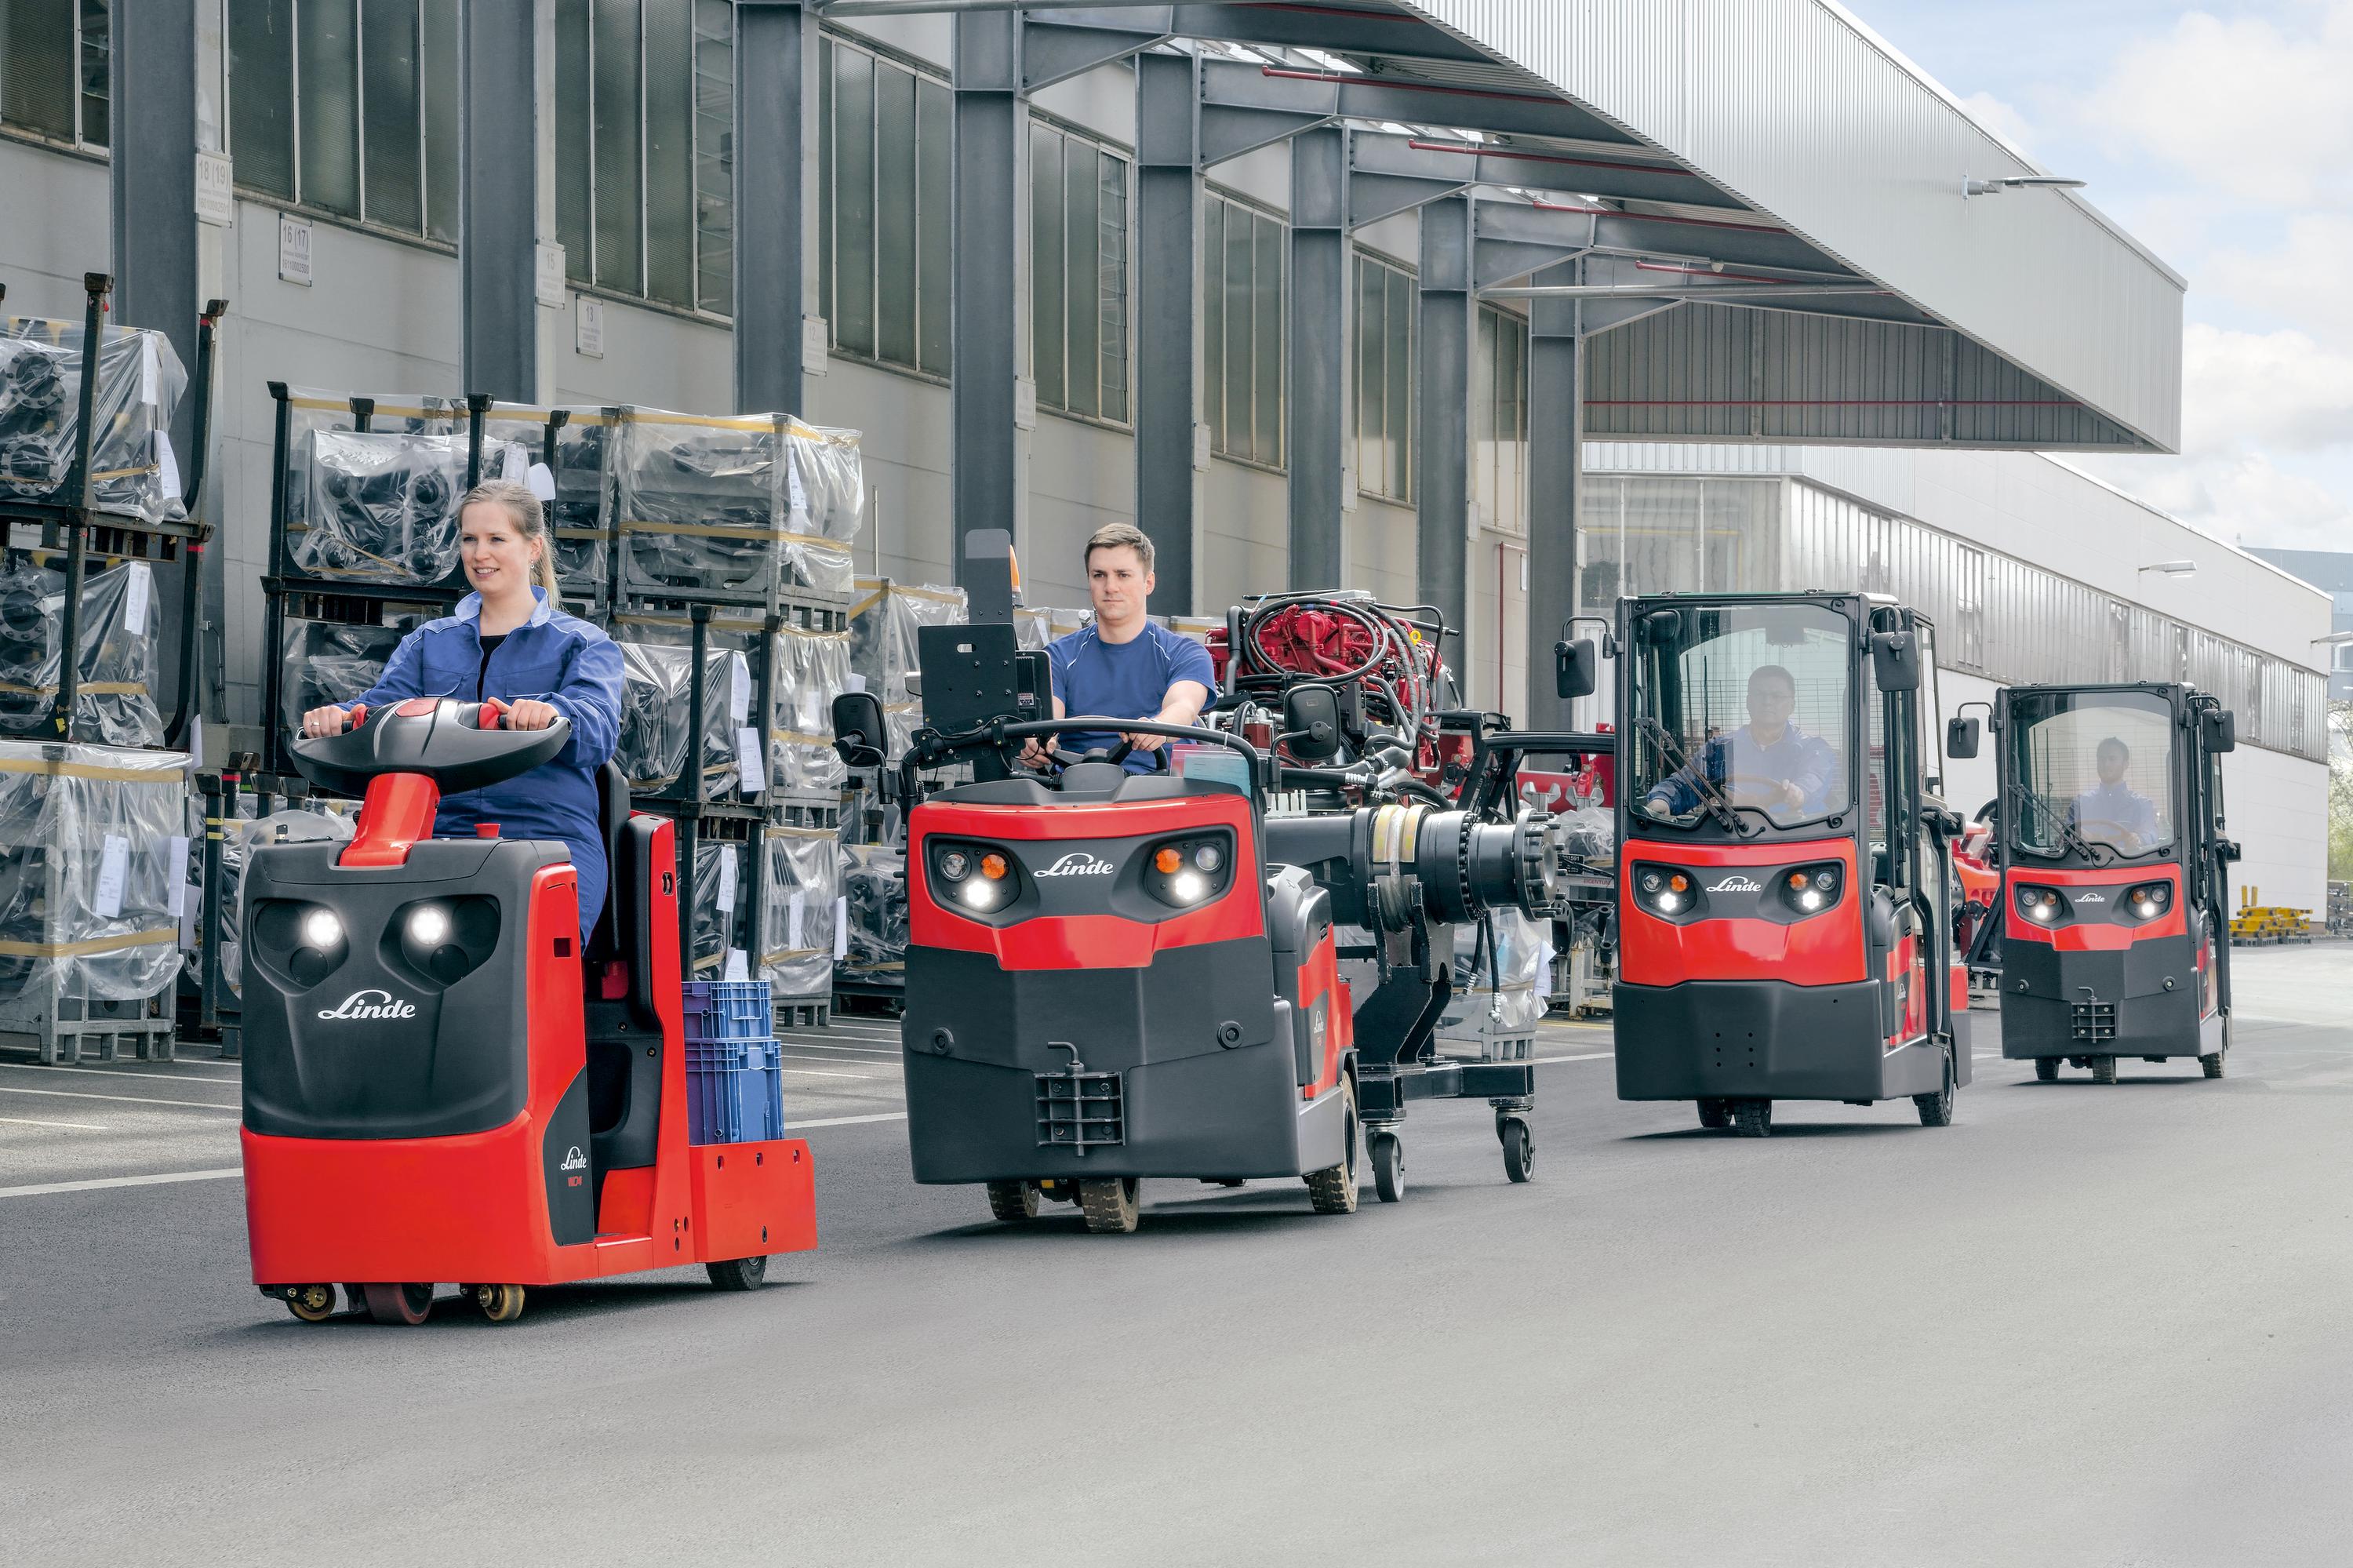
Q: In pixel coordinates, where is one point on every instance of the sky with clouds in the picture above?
(2222, 137)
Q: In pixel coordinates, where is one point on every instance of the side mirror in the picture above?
(1311, 719)
(859, 733)
(2222, 730)
(1575, 667)
(2228, 848)
(1896, 660)
(1961, 739)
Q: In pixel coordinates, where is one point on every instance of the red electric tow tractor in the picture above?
(2114, 909)
(1785, 876)
(440, 1086)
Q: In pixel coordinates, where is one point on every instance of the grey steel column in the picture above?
(984, 227)
(774, 48)
(152, 127)
(497, 197)
(1450, 341)
(1555, 467)
(1317, 405)
(1168, 318)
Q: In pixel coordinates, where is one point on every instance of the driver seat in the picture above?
(625, 1041)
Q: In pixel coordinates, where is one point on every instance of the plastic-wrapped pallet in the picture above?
(656, 702)
(332, 820)
(382, 506)
(582, 513)
(874, 899)
(722, 896)
(801, 925)
(140, 381)
(743, 504)
(1509, 1001)
(310, 410)
(93, 859)
(1034, 628)
(329, 663)
(121, 625)
(812, 669)
(884, 621)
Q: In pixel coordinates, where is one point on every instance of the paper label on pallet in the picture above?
(134, 599)
(739, 964)
(114, 868)
(857, 683)
(514, 463)
(793, 492)
(150, 374)
(176, 875)
(727, 874)
(542, 481)
(167, 465)
(840, 929)
(750, 760)
(812, 706)
(739, 687)
(793, 908)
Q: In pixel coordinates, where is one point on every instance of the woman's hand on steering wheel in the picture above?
(320, 723)
(526, 713)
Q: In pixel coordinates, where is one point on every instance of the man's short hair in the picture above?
(2115, 741)
(1120, 536)
(1775, 671)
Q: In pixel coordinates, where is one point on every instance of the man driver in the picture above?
(1768, 762)
(1125, 665)
(2113, 811)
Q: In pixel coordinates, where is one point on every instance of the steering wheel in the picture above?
(1116, 755)
(2113, 834)
(458, 746)
(1757, 791)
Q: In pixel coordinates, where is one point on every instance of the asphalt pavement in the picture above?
(2084, 1325)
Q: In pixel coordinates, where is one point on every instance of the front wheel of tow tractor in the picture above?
(737, 1273)
(1333, 1190)
(1387, 1151)
(2213, 1065)
(1013, 1202)
(1936, 1109)
(2103, 1069)
(2046, 1069)
(1519, 1147)
(499, 1303)
(1715, 1114)
(409, 1304)
(1109, 1206)
(1753, 1118)
(311, 1303)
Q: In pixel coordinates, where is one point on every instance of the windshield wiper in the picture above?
(1713, 798)
(2069, 837)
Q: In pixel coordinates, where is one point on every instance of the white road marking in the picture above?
(821, 1073)
(77, 1125)
(166, 1072)
(126, 1099)
(1589, 1057)
(792, 1127)
(92, 1186)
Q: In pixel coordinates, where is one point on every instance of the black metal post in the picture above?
(689, 823)
(273, 591)
(191, 560)
(83, 487)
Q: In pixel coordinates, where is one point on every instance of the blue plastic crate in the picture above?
(727, 1009)
(734, 1091)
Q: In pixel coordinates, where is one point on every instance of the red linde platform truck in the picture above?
(440, 1087)
(2114, 904)
(1786, 889)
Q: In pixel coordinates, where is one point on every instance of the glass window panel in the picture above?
(1113, 271)
(619, 117)
(443, 127)
(1047, 317)
(894, 197)
(824, 152)
(1084, 184)
(329, 106)
(934, 272)
(1241, 253)
(1267, 281)
(715, 155)
(36, 61)
(853, 200)
(396, 184)
(261, 93)
(1213, 320)
(97, 39)
(669, 150)
(1372, 462)
(576, 171)
(1397, 405)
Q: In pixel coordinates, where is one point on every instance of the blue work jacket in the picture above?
(551, 658)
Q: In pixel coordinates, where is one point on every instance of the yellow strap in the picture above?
(801, 737)
(125, 472)
(775, 833)
(778, 958)
(170, 776)
(154, 939)
(103, 688)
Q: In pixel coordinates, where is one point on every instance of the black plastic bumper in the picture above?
(1762, 1040)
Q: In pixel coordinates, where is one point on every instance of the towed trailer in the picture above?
(2115, 907)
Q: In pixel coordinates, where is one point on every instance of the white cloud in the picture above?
(2000, 117)
(2305, 278)
(2241, 497)
(2277, 390)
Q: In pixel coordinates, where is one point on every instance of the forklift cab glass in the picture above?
(1742, 709)
(2095, 770)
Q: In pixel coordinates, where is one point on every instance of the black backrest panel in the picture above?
(613, 817)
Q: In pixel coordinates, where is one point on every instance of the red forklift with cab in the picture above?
(1784, 922)
(440, 1086)
(2114, 903)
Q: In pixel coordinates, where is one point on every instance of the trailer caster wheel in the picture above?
(1715, 1114)
(1387, 1151)
(1753, 1118)
(1110, 1206)
(1519, 1149)
(2046, 1069)
(1013, 1202)
(499, 1303)
(735, 1274)
(409, 1304)
(311, 1303)
(1333, 1190)
(2103, 1069)
(2213, 1065)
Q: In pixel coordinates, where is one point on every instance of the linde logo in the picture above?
(1737, 882)
(2090, 898)
(574, 1159)
(1078, 863)
(369, 1004)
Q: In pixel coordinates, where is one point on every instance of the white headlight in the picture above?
(321, 928)
(1208, 857)
(428, 925)
(1810, 899)
(2146, 910)
(1188, 886)
(2042, 912)
(980, 895)
(1669, 903)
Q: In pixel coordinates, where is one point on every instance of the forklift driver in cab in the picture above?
(1768, 762)
(1124, 664)
(2113, 812)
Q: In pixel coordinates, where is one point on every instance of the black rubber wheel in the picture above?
(738, 1273)
(2046, 1069)
(1715, 1114)
(1753, 1118)
(2213, 1065)
(408, 1304)
(1385, 1149)
(2103, 1069)
(499, 1303)
(1013, 1202)
(1519, 1149)
(1109, 1206)
(1333, 1190)
(1936, 1109)
(311, 1303)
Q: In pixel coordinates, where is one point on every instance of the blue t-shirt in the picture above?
(1124, 680)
